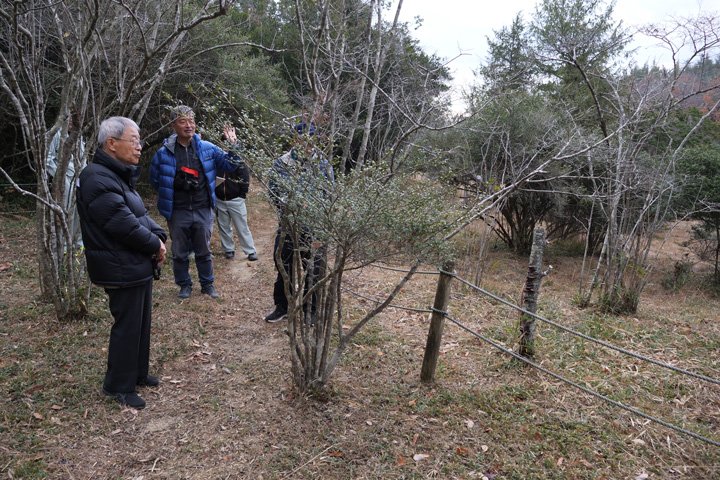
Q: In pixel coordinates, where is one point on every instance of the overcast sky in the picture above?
(451, 27)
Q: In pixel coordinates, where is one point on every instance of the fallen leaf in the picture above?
(34, 388)
(559, 461)
(5, 266)
(56, 407)
(638, 441)
(37, 415)
(462, 451)
(335, 454)
(115, 432)
(401, 460)
(412, 403)
(415, 439)
(469, 423)
(420, 456)
(55, 420)
(369, 422)
(484, 448)
(642, 476)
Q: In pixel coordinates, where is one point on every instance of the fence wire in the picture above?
(383, 267)
(586, 337)
(580, 387)
(552, 374)
(390, 305)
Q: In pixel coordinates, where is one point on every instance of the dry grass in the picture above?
(226, 407)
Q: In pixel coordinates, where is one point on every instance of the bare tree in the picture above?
(638, 184)
(88, 60)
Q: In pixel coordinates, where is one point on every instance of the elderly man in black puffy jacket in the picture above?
(122, 243)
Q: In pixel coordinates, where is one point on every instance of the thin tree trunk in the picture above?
(379, 63)
(531, 293)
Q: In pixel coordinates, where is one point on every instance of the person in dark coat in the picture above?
(230, 197)
(305, 164)
(122, 246)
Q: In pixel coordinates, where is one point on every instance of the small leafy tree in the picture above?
(366, 216)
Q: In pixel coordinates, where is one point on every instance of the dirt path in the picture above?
(225, 398)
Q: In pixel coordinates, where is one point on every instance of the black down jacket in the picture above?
(236, 184)
(119, 235)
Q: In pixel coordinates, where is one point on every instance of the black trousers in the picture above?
(286, 257)
(129, 351)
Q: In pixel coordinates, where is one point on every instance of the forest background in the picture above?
(564, 130)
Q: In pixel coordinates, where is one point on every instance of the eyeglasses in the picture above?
(135, 142)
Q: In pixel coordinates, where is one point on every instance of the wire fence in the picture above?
(580, 387)
(548, 372)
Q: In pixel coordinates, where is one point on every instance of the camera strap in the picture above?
(192, 172)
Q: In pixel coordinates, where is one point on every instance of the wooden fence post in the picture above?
(437, 321)
(530, 293)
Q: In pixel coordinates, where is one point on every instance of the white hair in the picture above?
(114, 127)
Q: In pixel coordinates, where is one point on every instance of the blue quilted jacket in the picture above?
(163, 166)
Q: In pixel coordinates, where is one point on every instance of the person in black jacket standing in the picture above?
(230, 197)
(122, 244)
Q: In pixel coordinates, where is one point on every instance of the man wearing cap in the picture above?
(183, 172)
(305, 163)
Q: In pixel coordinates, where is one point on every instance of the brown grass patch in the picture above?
(226, 408)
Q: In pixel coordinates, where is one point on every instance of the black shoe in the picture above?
(185, 291)
(229, 255)
(312, 319)
(277, 315)
(149, 381)
(252, 257)
(131, 399)
(209, 290)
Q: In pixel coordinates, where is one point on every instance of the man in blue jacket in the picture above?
(183, 172)
(121, 244)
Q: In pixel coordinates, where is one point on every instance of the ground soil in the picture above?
(226, 407)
